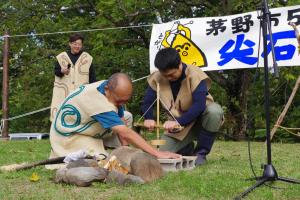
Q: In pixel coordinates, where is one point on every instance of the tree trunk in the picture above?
(236, 86)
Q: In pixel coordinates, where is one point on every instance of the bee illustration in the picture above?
(189, 52)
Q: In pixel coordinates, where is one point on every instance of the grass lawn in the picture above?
(223, 177)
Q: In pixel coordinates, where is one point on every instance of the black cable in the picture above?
(254, 81)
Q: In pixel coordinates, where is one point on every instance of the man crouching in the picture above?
(87, 113)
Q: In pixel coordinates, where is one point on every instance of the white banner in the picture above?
(229, 42)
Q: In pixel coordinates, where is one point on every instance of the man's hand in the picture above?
(167, 154)
(169, 126)
(149, 124)
(126, 122)
(293, 25)
(65, 71)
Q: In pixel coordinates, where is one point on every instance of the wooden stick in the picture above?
(291, 132)
(158, 142)
(157, 115)
(5, 87)
(177, 128)
(283, 113)
(114, 164)
(17, 167)
(157, 112)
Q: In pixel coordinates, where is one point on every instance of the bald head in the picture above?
(121, 86)
(116, 80)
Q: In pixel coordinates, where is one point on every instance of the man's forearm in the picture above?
(133, 138)
(196, 109)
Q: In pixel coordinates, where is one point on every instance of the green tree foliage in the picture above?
(32, 57)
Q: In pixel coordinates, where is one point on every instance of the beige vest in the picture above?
(63, 86)
(73, 127)
(184, 100)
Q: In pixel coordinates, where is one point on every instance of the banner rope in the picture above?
(79, 31)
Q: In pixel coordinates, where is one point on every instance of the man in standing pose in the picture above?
(72, 69)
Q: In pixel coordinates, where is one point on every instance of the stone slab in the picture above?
(184, 163)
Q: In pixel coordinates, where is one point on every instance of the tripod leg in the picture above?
(257, 184)
(255, 178)
(289, 180)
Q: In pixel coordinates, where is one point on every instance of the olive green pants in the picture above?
(210, 120)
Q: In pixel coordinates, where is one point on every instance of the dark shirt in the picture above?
(74, 58)
(198, 100)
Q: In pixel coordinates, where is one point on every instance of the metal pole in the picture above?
(269, 173)
(265, 21)
(5, 89)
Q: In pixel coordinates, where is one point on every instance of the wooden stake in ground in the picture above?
(5, 86)
(283, 113)
(158, 142)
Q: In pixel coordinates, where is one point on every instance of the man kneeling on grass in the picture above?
(86, 115)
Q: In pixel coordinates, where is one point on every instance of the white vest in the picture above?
(63, 86)
(183, 102)
(73, 127)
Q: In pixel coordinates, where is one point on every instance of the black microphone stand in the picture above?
(269, 173)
